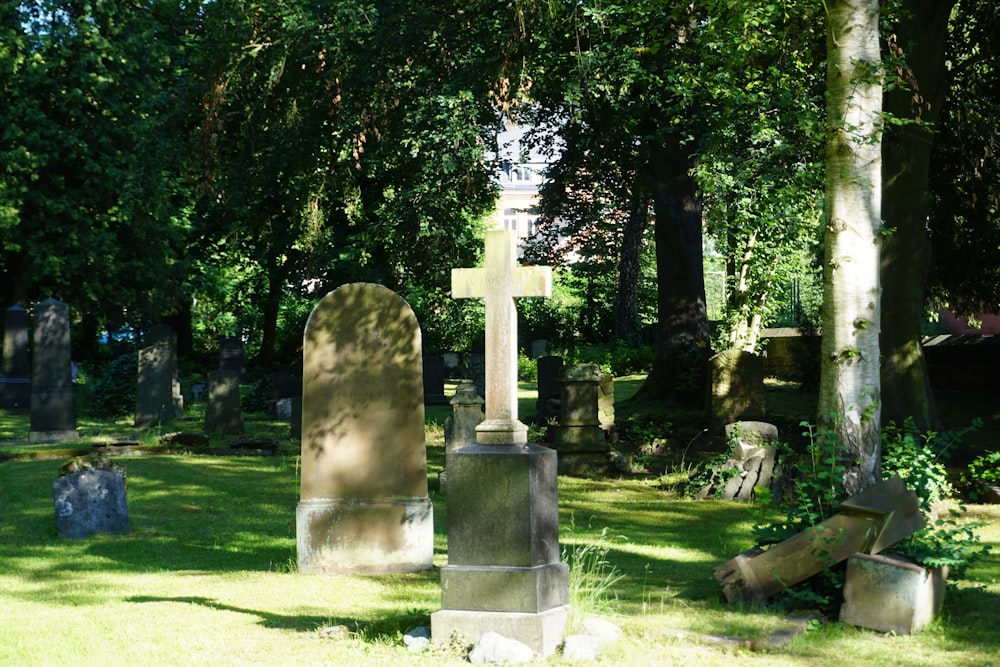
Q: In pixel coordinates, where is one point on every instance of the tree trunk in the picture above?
(906, 151)
(849, 370)
(679, 376)
(627, 328)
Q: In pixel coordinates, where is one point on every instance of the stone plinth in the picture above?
(503, 547)
(890, 594)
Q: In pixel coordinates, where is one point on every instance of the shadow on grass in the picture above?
(387, 628)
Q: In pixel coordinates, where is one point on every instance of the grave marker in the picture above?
(503, 573)
(15, 384)
(364, 506)
(223, 412)
(53, 398)
(868, 522)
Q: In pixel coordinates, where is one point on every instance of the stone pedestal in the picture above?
(579, 438)
(890, 594)
(369, 537)
(503, 573)
(460, 426)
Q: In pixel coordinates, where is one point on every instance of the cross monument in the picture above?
(498, 283)
(503, 573)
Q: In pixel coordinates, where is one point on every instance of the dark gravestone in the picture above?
(434, 380)
(15, 383)
(549, 387)
(285, 385)
(154, 386)
(161, 333)
(477, 372)
(53, 399)
(90, 498)
(223, 414)
(364, 505)
(231, 356)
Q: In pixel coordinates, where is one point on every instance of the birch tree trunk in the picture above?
(849, 372)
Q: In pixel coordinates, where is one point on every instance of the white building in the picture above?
(522, 172)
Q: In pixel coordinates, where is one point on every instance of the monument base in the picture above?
(364, 537)
(38, 437)
(543, 632)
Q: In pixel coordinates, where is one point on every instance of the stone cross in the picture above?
(499, 282)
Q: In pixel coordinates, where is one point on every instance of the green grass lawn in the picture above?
(207, 575)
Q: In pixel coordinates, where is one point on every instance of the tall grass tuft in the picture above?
(592, 577)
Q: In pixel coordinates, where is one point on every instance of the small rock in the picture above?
(335, 632)
(581, 648)
(417, 639)
(604, 630)
(494, 648)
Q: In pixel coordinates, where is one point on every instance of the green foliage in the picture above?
(982, 473)
(260, 396)
(113, 390)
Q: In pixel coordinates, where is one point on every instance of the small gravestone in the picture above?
(579, 439)
(477, 372)
(888, 593)
(90, 498)
(53, 398)
(503, 574)
(539, 348)
(460, 425)
(163, 333)
(223, 414)
(434, 380)
(606, 402)
(154, 402)
(549, 387)
(364, 505)
(231, 356)
(15, 383)
(737, 386)
(753, 463)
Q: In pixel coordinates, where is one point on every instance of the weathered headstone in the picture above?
(223, 414)
(539, 348)
(434, 380)
(90, 498)
(231, 356)
(460, 425)
(868, 522)
(606, 402)
(364, 506)
(753, 463)
(579, 438)
(477, 372)
(503, 573)
(890, 594)
(737, 386)
(53, 399)
(549, 387)
(163, 333)
(466, 415)
(15, 383)
(154, 401)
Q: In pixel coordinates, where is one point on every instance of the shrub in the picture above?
(113, 393)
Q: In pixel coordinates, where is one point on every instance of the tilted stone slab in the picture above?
(869, 522)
